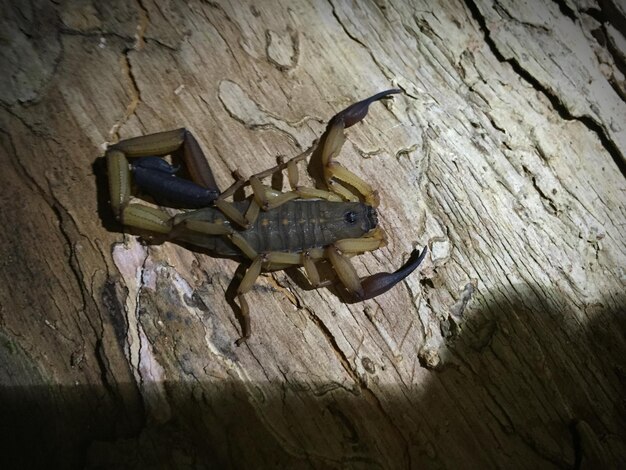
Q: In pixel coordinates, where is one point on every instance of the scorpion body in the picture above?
(294, 227)
(270, 229)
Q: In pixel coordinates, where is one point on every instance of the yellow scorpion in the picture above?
(269, 229)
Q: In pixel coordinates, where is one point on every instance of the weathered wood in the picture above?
(506, 155)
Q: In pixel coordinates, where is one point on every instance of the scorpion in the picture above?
(267, 229)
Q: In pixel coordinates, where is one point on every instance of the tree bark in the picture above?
(505, 155)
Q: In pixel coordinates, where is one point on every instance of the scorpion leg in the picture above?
(206, 228)
(305, 192)
(310, 268)
(245, 286)
(243, 245)
(268, 198)
(275, 260)
(244, 220)
(264, 197)
(234, 214)
(272, 260)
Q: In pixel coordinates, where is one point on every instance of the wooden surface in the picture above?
(506, 155)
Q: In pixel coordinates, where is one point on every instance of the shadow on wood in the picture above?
(209, 423)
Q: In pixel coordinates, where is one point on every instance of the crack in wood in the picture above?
(559, 107)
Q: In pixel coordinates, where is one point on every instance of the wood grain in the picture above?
(505, 154)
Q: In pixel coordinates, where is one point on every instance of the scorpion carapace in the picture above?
(270, 229)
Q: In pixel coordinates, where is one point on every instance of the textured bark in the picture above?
(506, 155)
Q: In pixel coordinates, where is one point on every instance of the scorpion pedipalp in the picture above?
(357, 111)
(336, 175)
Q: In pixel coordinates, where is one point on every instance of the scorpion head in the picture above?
(354, 219)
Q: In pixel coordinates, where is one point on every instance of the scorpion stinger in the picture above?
(157, 177)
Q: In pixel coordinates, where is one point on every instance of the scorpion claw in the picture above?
(357, 111)
(380, 283)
